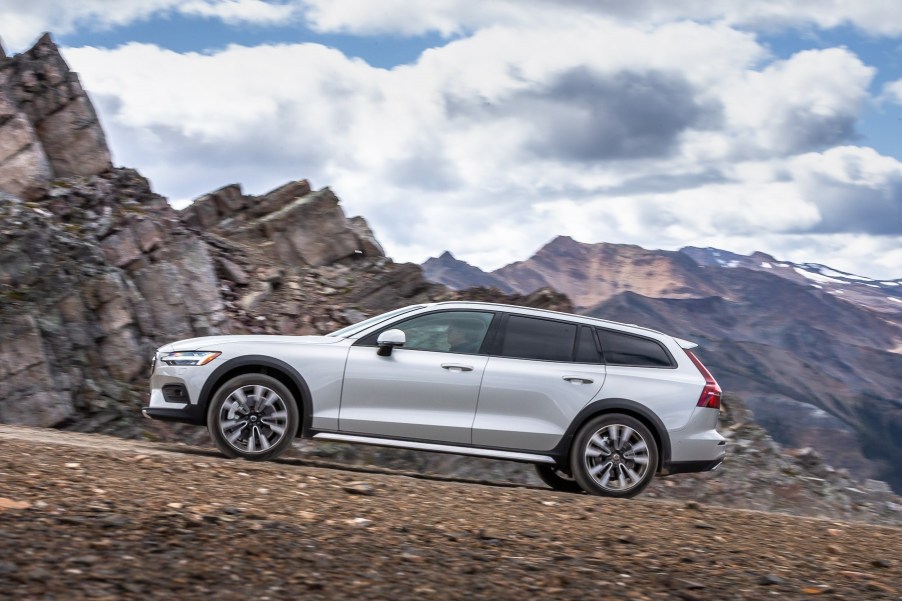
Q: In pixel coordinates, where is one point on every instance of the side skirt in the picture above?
(436, 448)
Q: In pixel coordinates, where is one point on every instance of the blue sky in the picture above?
(488, 128)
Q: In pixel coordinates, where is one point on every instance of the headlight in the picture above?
(189, 357)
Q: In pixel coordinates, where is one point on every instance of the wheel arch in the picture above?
(268, 366)
(616, 405)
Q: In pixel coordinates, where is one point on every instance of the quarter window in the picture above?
(543, 339)
(625, 349)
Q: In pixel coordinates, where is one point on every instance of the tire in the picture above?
(614, 455)
(254, 417)
(557, 478)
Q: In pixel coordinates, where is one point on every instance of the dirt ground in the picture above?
(89, 516)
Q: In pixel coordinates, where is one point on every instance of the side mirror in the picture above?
(388, 340)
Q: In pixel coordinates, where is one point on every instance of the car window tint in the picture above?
(530, 338)
(586, 347)
(625, 349)
(447, 332)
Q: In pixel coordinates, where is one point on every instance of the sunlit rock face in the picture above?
(48, 126)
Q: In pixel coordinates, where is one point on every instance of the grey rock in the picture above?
(70, 140)
(234, 272)
(365, 237)
(311, 230)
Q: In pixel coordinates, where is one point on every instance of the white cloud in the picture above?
(448, 17)
(892, 91)
(238, 11)
(22, 21)
(811, 100)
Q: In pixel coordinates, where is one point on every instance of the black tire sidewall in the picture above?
(222, 394)
(577, 460)
(548, 475)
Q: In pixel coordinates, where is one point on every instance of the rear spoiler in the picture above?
(685, 344)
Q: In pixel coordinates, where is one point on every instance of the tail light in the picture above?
(711, 393)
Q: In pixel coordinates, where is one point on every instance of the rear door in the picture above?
(540, 374)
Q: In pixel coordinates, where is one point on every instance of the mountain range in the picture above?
(815, 352)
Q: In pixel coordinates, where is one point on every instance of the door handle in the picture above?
(457, 367)
(578, 380)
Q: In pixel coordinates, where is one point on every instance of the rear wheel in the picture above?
(614, 455)
(253, 416)
(557, 478)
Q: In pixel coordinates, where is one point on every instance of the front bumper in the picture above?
(189, 414)
(175, 393)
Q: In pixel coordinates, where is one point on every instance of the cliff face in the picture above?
(91, 275)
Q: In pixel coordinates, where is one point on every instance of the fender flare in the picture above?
(306, 399)
(562, 451)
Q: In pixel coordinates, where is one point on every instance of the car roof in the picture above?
(548, 312)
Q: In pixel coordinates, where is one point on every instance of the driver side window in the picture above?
(447, 332)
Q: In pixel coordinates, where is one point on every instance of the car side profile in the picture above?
(595, 405)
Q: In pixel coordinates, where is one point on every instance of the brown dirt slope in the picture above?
(88, 516)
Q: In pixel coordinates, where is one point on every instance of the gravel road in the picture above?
(89, 516)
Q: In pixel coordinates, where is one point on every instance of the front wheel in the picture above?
(614, 455)
(253, 416)
(556, 478)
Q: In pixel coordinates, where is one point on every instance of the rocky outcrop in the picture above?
(63, 123)
(293, 224)
(92, 276)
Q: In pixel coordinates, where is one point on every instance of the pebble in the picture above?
(10, 504)
(8, 567)
(770, 579)
(489, 534)
(705, 526)
(627, 539)
(873, 585)
(882, 563)
(359, 488)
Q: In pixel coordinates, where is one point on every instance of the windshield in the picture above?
(366, 323)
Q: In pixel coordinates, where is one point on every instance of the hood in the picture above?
(211, 342)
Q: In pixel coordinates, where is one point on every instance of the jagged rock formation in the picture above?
(48, 127)
(292, 223)
(91, 275)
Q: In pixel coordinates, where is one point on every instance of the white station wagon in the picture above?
(597, 406)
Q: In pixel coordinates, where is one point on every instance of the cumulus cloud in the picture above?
(449, 17)
(892, 91)
(809, 101)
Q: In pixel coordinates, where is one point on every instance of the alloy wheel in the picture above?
(253, 419)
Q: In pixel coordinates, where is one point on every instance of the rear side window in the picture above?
(543, 339)
(625, 349)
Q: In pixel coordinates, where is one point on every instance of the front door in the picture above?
(426, 390)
